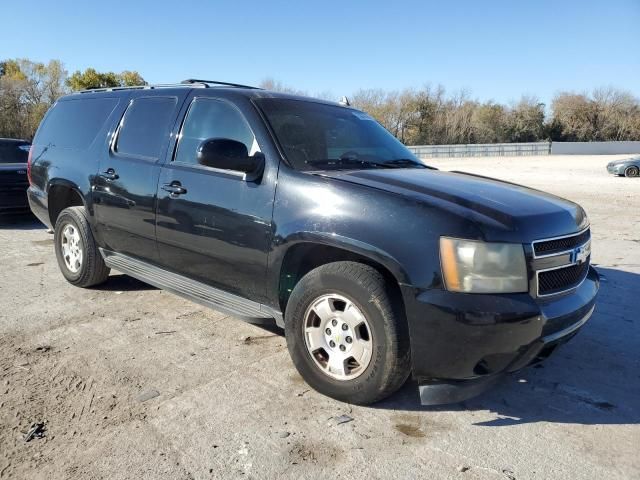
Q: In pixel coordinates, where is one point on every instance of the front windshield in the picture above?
(317, 136)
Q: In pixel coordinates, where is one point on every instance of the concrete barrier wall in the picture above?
(521, 149)
(481, 150)
(594, 148)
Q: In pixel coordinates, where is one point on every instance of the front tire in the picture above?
(76, 251)
(632, 171)
(346, 334)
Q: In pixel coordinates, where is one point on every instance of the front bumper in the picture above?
(615, 169)
(459, 338)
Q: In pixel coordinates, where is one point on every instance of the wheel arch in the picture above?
(633, 168)
(312, 251)
(62, 194)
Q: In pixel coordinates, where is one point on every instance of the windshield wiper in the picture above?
(346, 161)
(403, 162)
(351, 161)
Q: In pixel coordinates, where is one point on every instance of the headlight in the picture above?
(479, 267)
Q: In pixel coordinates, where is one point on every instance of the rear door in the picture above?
(218, 229)
(126, 183)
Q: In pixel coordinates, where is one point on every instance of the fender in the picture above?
(351, 245)
(347, 244)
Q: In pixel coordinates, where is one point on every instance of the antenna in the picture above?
(344, 101)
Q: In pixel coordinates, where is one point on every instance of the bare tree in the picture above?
(277, 86)
(606, 114)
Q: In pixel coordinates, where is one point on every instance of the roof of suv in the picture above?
(248, 91)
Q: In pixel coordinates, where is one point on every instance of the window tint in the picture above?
(209, 118)
(14, 152)
(316, 135)
(75, 123)
(145, 126)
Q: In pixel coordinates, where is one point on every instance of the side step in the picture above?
(192, 290)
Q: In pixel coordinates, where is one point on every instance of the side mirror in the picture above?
(227, 154)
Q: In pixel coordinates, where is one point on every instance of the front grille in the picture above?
(560, 279)
(550, 247)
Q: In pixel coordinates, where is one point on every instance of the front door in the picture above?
(126, 183)
(213, 225)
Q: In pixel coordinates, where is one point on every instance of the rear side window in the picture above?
(145, 127)
(75, 123)
(14, 152)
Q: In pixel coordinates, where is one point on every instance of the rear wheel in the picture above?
(632, 171)
(346, 335)
(76, 251)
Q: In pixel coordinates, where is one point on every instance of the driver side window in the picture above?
(209, 118)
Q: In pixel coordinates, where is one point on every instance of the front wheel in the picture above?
(632, 171)
(76, 251)
(346, 334)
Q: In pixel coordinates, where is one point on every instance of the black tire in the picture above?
(92, 270)
(389, 366)
(632, 171)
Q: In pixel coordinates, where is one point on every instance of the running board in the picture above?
(201, 293)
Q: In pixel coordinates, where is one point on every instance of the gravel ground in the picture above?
(133, 382)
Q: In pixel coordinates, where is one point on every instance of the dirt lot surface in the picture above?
(133, 382)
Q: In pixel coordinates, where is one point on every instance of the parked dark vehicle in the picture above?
(13, 175)
(628, 167)
(309, 214)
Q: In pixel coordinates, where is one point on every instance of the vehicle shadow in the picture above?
(25, 221)
(123, 283)
(593, 379)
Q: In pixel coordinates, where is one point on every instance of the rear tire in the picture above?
(76, 251)
(361, 315)
(632, 171)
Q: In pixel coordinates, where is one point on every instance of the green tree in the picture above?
(91, 78)
(131, 78)
(27, 90)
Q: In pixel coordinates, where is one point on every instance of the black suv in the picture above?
(13, 175)
(308, 213)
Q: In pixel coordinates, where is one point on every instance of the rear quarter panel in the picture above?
(71, 167)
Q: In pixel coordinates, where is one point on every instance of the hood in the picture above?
(504, 211)
(625, 160)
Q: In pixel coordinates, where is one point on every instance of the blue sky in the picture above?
(495, 49)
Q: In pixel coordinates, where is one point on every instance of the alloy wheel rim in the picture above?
(338, 337)
(71, 248)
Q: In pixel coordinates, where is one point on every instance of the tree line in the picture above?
(430, 116)
(426, 116)
(28, 89)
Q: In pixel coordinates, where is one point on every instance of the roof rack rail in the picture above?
(191, 81)
(141, 87)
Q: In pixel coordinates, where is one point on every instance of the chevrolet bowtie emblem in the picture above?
(580, 254)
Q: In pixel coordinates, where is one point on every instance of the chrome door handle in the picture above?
(110, 174)
(174, 188)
